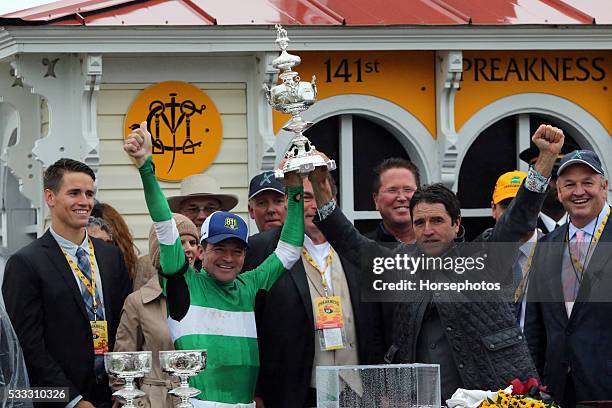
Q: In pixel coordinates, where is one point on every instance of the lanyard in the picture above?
(518, 293)
(328, 262)
(89, 285)
(579, 266)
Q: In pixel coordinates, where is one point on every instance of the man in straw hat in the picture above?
(200, 197)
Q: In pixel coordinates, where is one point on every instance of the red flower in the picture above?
(527, 387)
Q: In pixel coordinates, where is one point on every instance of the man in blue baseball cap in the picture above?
(214, 309)
(570, 295)
(267, 201)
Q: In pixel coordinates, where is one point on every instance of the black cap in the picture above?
(530, 155)
(263, 182)
(586, 157)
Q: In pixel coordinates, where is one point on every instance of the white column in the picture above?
(449, 66)
(19, 157)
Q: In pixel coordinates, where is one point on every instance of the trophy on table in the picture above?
(183, 364)
(294, 96)
(128, 365)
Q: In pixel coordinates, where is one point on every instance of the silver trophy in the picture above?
(294, 97)
(183, 364)
(128, 365)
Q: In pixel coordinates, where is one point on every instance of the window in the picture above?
(494, 152)
(357, 144)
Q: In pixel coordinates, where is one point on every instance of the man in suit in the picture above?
(289, 344)
(64, 292)
(472, 335)
(568, 315)
(395, 181)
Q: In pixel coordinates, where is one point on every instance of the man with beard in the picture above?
(475, 340)
(553, 214)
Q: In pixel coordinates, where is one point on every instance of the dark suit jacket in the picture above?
(285, 327)
(48, 313)
(582, 341)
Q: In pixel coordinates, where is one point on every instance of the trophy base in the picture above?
(127, 397)
(185, 392)
(305, 165)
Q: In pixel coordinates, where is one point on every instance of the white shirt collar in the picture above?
(68, 245)
(550, 223)
(590, 228)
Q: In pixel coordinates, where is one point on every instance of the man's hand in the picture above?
(320, 185)
(320, 174)
(84, 404)
(138, 145)
(549, 141)
(293, 179)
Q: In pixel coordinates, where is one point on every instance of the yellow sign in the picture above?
(184, 124)
(583, 77)
(405, 78)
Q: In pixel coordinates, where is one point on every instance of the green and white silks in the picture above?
(220, 318)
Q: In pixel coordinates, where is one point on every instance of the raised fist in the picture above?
(138, 145)
(548, 139)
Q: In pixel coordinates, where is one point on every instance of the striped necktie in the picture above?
(572, 273)
(85, 267)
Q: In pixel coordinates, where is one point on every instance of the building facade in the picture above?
(455, 87)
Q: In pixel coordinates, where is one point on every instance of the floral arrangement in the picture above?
(528, 394)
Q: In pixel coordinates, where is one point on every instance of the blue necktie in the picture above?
(85, 267)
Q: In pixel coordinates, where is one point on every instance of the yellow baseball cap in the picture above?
(507, 185)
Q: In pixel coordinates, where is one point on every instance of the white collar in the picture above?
(552, 224)
(68, 245)
(590, 228)
(313, 249)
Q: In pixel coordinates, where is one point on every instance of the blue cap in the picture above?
(586, 157)
(222, 225)
(265, 182)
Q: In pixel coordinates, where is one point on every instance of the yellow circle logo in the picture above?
(185, 127)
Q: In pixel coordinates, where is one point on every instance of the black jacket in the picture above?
(285, 327)
(488, 348)
(48, 313)
(582, 341)
(380, 234)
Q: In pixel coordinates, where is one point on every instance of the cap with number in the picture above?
(222, 225)
(265, 182)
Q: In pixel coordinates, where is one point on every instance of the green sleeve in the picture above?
(171, 256)
(293, 229)
(156, 201)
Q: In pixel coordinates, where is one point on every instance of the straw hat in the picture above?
(201, 185)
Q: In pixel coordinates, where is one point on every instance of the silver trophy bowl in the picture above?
(294, 96)
(183, 364)
(128, 365)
